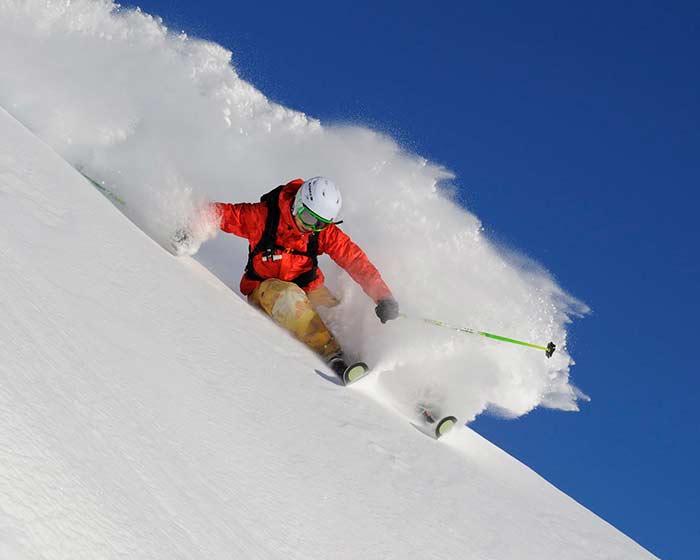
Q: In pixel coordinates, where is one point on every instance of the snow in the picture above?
(165, 122)
(149, 412)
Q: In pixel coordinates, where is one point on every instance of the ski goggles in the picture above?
(312, 220)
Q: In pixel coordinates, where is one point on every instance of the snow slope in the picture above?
(148, 412)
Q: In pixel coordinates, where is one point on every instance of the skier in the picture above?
(287, 230)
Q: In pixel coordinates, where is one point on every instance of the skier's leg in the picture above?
(290, 308)
(322, 297)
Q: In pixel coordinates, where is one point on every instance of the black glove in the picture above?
(181, 241)
(181, 236)
(387, 309)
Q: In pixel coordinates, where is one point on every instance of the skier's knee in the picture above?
(283, 301)
(276, 285)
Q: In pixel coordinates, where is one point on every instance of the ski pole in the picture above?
(100, 187)
(548, 350)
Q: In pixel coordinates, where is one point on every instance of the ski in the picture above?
(444, 425)
(435, 424)
(354, 372)
(431, 422)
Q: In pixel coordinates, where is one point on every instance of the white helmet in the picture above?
(321, 196)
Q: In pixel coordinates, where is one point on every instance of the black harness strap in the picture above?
(268, 243)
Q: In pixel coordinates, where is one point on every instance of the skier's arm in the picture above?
(237, 219)
(350, 257)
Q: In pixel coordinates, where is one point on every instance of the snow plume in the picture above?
(164, 122)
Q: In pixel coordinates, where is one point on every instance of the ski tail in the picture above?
(444, 425)
(433, 422)
(355, 372)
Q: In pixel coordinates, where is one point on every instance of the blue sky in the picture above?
(574, 132)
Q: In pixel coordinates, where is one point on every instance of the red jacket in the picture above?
(248, 220)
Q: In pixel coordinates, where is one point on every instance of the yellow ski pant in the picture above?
(293, 309)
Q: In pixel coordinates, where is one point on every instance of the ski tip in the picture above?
(445, 425)
(355, 372)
